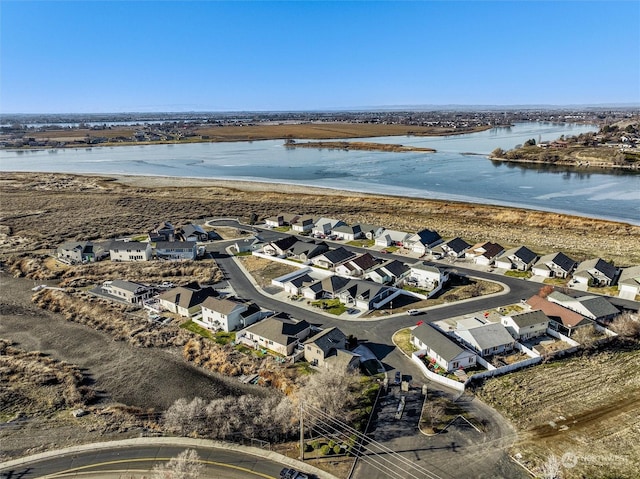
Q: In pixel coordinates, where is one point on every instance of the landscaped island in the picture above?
(357, 145)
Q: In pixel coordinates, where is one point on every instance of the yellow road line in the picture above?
(152, 459)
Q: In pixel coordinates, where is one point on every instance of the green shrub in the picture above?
(337, 449)
(326, 450)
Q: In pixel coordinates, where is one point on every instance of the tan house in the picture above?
(186, 301)
(278, 334)
(328, 350)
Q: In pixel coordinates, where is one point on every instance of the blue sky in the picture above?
(92, 56)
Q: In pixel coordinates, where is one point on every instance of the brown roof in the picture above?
(556, 312)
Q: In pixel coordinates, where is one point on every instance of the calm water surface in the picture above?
(459, 170)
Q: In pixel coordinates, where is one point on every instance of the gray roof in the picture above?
(181, 245)
(279, 330)
(630, 275)
(437, 341)
(341, 358)
(598, 306)
(530, 318)
(128, 285)
(355, 229)
(119, 245)
(222, 306)
(488, 336)
(327, 339)
(607, 269)
(306, 247)
(422, 265)
(364, 290)
(190, 229)
(395, 267)
(285, 243)
(561, 260)
(187, 297)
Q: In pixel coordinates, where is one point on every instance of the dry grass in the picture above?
(264, 270)
(581, 405)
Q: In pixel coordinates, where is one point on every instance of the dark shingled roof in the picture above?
(458, 245)
(327, 339)
(285, 243)
(338, 255)
(437, 341)
(525, 254)
(279, 330)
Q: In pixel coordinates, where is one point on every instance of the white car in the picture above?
(413, 312)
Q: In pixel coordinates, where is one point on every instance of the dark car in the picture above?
(287, 473)
(398, 378)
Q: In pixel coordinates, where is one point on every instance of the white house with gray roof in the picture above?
(347, 233)
(520, 259)
(448, 354)
(129, 251)
(324, 226)
(333, 258)
(423, 241)
(596, 272)
(391, 237)
(227, 314)
(487, 339)
(76, 252)
(593, 307)
(629, 283)
(427, 276)
(554, 265)
(176, 250)
(127, 291)
(530, 324)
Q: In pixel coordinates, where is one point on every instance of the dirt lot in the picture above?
(585, 410)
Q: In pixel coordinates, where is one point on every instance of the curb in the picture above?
(173, 441)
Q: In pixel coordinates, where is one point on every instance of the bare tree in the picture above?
(185, 465)
(331, 391)
(585, 335)
(552, 469)
(434, 411)
(626, 325)
(186, 417)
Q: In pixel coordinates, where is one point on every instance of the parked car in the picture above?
(413, 312)
(398, 378)
(287, 473)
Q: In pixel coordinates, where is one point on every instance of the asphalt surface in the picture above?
(135, 459)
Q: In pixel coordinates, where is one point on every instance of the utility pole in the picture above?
(301, 433)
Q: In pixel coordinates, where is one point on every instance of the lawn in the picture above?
(194, 328)
(362, 243)
(518, 274)
(402, 339)
(331, 306)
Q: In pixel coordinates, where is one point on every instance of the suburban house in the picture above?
(629, 283)
(280, 247)
(593, 307)
(333, 258)
(347, 233)
(391, 238)
(127, 291)
(248, 245)
(324, 226)
(303, 225)
(561, 319)
(371, 232)
(366, 295)
(520, 259)
(176, 250)
(278, 334)
(296, 284)
(305, 250)
(425, 276)
(328, 350)
(554, 265)
(165, 231)
(455, 247)
(185, 300)
(227, 315)
(486, 339)
(76, 252)
(193, 232)
(357, 266)
(438, 346)
(423, 241)
(596, 272)
(274, 221)
(530, 324)
(484, 253)
(390, 272)
(327, 288)
(129, 251)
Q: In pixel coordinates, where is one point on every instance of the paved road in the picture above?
(219, 463)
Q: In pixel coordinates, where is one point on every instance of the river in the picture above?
(459, 171)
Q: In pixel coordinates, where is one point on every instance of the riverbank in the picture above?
(357, 145)
(151, 135)
(40, 211)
